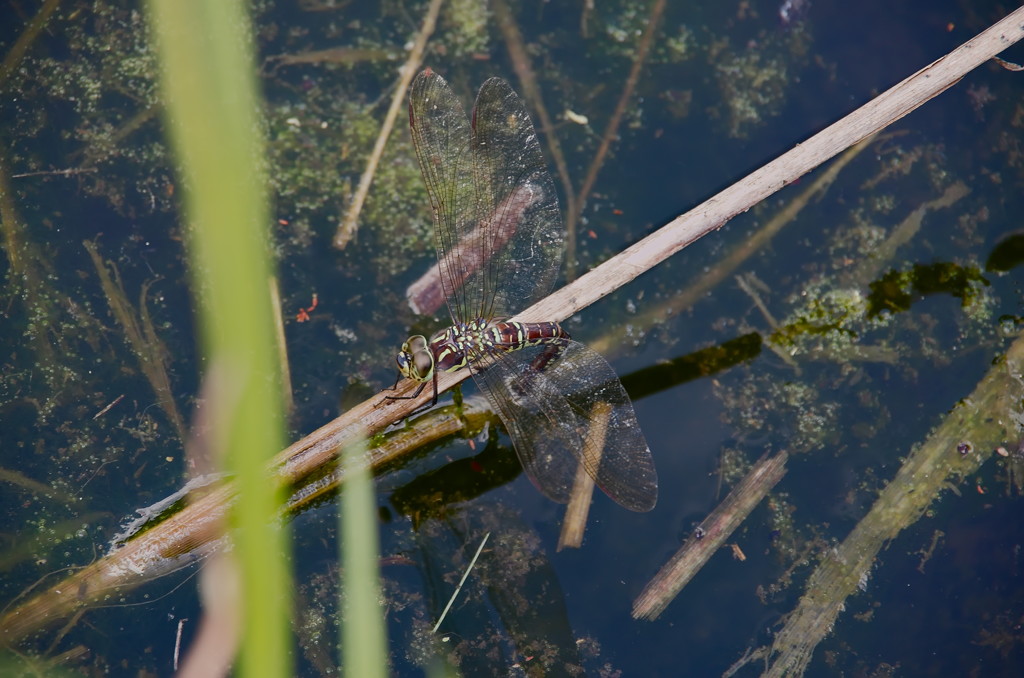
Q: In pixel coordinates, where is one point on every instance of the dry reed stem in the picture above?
(713, 213)
(347, 228)
(611, 130)
(725, 266)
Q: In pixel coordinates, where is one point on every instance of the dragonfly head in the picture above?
(415, 361)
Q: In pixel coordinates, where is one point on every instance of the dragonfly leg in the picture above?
(415, 394)
(551, 352)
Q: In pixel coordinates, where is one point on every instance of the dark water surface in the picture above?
(849, 371)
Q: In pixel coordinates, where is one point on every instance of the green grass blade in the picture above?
(364, 653)
(212, 109)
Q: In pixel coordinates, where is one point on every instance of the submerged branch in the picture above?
(982, 421)
(611, 130)
(871, 268)
(520, 58)
(93, 153)
(28, 270)
(347, 228)
(147, 346)
(347, 56)
(16, 53)
(709, 536)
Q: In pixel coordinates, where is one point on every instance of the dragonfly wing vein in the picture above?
(549, 413)
(518, 202)
(441, 135)
(539, 421)
(498, 230)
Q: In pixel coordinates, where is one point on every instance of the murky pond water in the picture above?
(862, 320)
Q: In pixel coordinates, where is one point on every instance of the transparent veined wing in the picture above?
(498, 229)
(552, 414)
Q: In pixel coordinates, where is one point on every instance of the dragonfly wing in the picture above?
(497, 226)
(518, 213)
(539, 420)
(441, 135)
(551, 415)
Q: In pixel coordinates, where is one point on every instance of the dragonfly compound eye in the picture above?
(414, 344)
(410, 360)
(423, 365)
(403, 359)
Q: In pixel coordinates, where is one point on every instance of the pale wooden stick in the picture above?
(576, 512)
(731, 261)
(347, 228)
(465, 576)
(713, 213)
(710, 535)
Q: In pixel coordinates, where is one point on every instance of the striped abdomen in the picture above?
(453, 347)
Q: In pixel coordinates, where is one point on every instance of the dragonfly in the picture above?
(499, 240)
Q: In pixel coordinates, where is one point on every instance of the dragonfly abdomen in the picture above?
(512, 335)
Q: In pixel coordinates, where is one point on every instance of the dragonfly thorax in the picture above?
(446, 351)
(455, 347)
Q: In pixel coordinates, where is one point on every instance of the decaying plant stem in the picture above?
(147, 346)
(709, 536)
(983, 421)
